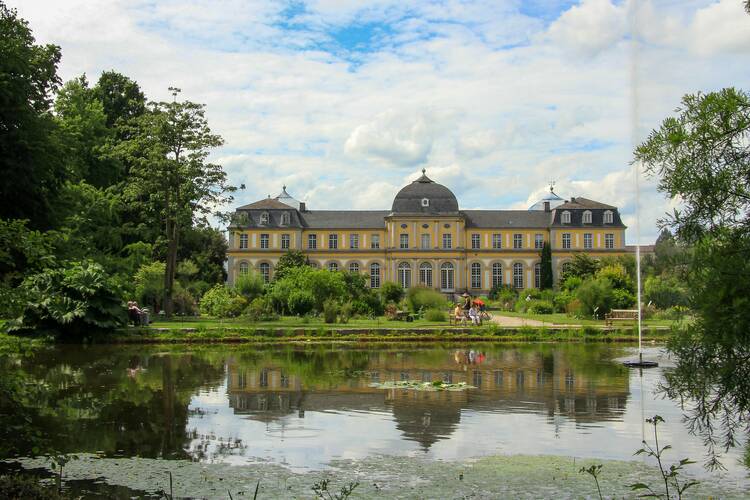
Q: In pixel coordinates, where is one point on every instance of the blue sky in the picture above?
(346, 101)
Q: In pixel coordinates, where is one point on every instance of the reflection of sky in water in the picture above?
(484, 422)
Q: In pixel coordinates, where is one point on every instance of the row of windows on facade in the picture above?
(565, 217)
(476, 241)
(425, 274)
(586, 218)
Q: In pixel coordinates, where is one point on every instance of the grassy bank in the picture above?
(230, 333)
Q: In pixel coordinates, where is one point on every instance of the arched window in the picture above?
(265, 271)
(425, 274)
(354, 267)
(608, 217)
(244, 268)
(476, 275)
(518, 275)
(404, 275)
(538, 275)
(285, 219)
(333, 266)
(446, 276)
(314, 265)
(497, 275)
(587, 217)
(264, 218)
(565, 218)
(374, 275)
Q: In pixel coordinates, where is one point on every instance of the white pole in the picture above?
(634, 117)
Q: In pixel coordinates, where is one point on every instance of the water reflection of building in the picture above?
(508, 381)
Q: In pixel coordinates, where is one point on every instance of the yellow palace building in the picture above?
(425, 239)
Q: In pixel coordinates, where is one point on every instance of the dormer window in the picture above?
(608, 217)
(285, 219)
(565, 217)
(425, 202)
(264, 218)
(587, 217)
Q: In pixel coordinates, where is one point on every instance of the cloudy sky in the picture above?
(346, 101)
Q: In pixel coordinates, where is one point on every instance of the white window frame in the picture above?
(538, 241)
(374, 275)
(265, 240)
(538, 275)
(447, 241)
(244, 268)
(587, 217)
(404, 275)
(354, 240)
(476, 241)
(312, 241)
(425, 241)
(264, 217)
(375, 241)
(354, 267)
(588, 241)
(333, 266)
(497, 274)
(447, 276)
(565, 217)
(517, 241)
(333, 241)
(285, 241)
(518, 276)
(476, 275)
(425, 202)
(425, 274)
(264, 268)
(243, 241)
(566, 240)
(497, 241)
(609, 241)
(285, 219)
(609, 217)
(403, 241)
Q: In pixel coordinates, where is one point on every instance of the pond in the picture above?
(305, 407)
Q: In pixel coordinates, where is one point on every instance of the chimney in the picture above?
(302, 206)
(572, 199)
(546, 206)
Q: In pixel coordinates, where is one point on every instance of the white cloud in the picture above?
(589, 28)
(494, 103)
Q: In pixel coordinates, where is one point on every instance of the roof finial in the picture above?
(551, 186)
(423, 171)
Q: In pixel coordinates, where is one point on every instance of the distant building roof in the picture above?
(579, 203)
(507, 219)
(287, 199)
(267, 203)
(344, 219)
(645, 249)
(550, 197)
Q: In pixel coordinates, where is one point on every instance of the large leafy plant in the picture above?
(76, 300)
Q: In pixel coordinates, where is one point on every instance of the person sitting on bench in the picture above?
(458, 315)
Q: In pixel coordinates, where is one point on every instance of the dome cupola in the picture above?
(425, 196)
(551, 198)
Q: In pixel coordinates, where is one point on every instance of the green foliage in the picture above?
(420, 299)
(670, 475)
(562, 299)
(289, 260)
(665, 292)
(261, 309)
(504, 294)
(582, 266)
(391, 292)
(32, 163)
(596, 296)
(121, 98)
(222, 302)
(250, 285)
(149, 285)
(618, 276)
(22, 250)
(304, 285)
(436, 315)
(76, 300)
(594, 471)
(540, 307)
(330, 311)
(622, 299)
(571, 283)
(167, 148)
(546, 266)
(321, 490)
(207, 248)
(25, 487)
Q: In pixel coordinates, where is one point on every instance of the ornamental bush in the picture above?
(436, 315)
(292, 292)
(250, 285)
(72, 301)
(540, 307)
(665, 292)
(596, 296)
(222, 302)
(391, 292)
(420, 298)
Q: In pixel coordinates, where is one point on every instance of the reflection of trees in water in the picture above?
(712, 383)
(118, 400)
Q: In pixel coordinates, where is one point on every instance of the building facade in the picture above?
(425, 239)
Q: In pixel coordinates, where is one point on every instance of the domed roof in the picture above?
(551, 197)
(425, 196)
(286, 198)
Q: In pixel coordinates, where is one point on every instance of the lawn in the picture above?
(285, 322)
(564, 319)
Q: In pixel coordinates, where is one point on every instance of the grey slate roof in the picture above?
(266, 203)
(344, 219)
(576, 207)
(583, 203)
(507, 219)
(409, 199)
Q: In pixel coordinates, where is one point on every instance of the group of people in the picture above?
(136, 315)
(470, 309)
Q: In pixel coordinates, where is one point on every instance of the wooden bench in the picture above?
(452, 319)
(620, 315)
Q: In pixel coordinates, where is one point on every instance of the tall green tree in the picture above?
(121, 97)
(546, 266)
(702, 158)
(170, 176)
(31, 162)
